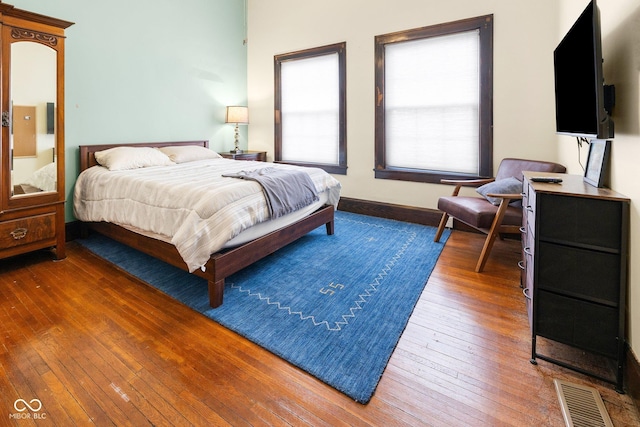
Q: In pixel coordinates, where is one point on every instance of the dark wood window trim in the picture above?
(485, 26)
(340, 49)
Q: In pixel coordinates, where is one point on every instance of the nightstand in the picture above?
(259, 156)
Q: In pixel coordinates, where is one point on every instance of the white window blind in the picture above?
(310, 110)
(432, 103)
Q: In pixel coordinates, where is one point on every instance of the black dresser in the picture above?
(574, 269)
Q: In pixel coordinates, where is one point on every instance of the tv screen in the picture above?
(579, 81)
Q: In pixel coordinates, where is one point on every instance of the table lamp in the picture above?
(239, 116)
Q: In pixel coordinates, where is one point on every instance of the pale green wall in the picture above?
(149, 70)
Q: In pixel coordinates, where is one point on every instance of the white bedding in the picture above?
(189, 204)
(44, 178)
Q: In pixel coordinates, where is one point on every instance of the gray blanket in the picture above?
(286, 190)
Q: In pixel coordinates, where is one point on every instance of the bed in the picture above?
(44, 179)
(250, 245)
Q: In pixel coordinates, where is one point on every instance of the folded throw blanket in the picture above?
(286, 190)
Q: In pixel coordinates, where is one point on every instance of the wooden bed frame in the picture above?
(221, 264)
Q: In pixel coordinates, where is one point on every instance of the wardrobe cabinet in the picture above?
(575, 256)
(32, 190)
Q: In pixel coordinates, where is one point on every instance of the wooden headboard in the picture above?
(87, 159)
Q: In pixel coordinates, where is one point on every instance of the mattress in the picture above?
(190, 204)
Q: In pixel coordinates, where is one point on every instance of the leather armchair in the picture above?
(482, 215)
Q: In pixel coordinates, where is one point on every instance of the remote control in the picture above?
(546, 179)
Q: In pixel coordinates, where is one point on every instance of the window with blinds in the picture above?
(434, 102)
(310, 108)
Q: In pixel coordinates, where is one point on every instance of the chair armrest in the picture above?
(506, 196)
(459, 183)
(506, 199)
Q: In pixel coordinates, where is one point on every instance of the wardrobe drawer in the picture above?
(27, 230)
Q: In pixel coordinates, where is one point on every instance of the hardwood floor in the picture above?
(96, 346)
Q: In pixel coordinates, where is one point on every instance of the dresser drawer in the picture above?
(581, 221)
(528, 244)
(591, 327)
(580, 273)
(529, 208)
(27, 230)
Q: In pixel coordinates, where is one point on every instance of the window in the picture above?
(434, 91)
(310, 108)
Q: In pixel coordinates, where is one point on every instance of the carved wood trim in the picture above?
(22, 34)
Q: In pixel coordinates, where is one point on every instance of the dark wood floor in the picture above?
(96, 346)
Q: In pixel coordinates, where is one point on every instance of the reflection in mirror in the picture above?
(32, 141)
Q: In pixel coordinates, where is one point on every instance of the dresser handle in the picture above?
(521, 265)
(522, 230)
(527, 250)
(19, 233)
(524, 291)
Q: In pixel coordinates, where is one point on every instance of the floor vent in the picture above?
(581, 406)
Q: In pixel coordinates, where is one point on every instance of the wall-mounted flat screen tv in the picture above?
(583, 102)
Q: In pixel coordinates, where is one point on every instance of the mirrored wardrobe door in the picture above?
(32, 136)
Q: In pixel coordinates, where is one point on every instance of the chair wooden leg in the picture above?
(486, 249)
(491, 236)
(443, 223)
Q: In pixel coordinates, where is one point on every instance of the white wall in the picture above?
(524, 36)
(620, 21)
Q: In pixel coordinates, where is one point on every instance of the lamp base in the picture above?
(237, 149)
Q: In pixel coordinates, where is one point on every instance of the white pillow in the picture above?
(189, 153)
(123, 158)
(44, 178)
(509, 185)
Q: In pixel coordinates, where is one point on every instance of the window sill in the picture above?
(333, 169)
(417, 175)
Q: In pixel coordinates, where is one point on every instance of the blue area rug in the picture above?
(335, 306)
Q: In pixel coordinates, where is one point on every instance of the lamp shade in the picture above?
(237, 115)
